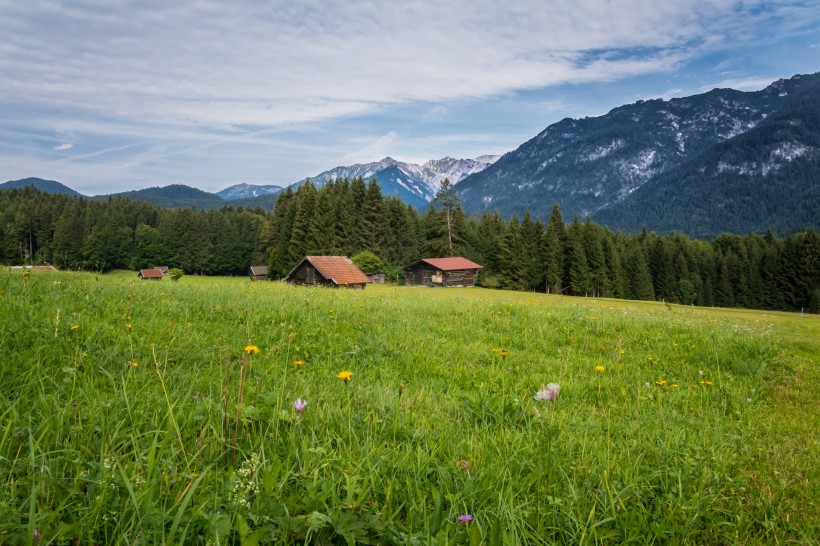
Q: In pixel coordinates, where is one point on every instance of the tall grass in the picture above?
(131, 413)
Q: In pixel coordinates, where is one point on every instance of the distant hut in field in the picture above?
(151, 274)
(44, 268)
(163, 268)
(442, 272)
(332, 271)
(259, 272)
(376, 278)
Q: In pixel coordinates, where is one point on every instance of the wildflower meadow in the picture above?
(221, 411)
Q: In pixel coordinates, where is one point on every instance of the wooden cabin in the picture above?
(442, 272)
(332, 271)
(151, 274)
(259, 272)
(376, 278)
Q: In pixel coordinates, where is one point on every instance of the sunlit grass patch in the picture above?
(178, 412)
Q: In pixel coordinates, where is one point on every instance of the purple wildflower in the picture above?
(299, 405)
(36, 534)
(465, 518)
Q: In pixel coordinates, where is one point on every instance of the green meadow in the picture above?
(139, 412)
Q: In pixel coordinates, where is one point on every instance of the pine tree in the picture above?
(302, 237)
(444, 224)
(553, 251)
(638, 278)
(512, 267)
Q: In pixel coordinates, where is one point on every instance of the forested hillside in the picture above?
(345, 217)
(725, 160)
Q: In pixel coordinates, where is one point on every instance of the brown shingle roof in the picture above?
(451, 264)
(339, 269)
(151, 273)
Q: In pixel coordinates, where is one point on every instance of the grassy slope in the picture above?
(433, 424)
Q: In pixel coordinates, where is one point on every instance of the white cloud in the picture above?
(373, 150)
(163, 83)
(62, 147)
(262, 64)
(743, 84)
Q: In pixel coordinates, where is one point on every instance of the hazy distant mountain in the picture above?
(415, 184)
(592, 164)
(175, 196)
(246, 191)
(47, 186)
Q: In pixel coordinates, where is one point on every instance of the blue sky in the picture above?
(118, 95)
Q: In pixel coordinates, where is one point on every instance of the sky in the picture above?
(120, 95)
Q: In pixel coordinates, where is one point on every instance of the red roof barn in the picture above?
(152, 274)
(442, 272)
(329, 271)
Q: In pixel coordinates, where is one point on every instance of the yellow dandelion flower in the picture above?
(661, 382)
(708, 382)
(128, 326)
(133, 364)
(622, 351)
(75, 327)
(675, 385)
(252, 349)
(496, 351)
(345, 375)
(504, 353)
(599, 368)
(298, 363)
(650, 358)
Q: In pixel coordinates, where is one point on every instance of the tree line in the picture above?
(345, 217)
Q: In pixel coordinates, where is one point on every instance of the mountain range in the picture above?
(702, 164)
(414, 184)
(724, 160)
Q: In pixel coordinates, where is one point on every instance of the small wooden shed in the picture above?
(151, 274)
(376, 278)
(442, 272)
(259, 272)
(332, 271)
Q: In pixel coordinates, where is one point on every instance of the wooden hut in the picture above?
(151, 274)
(442, 272)
(376, 278)
(259, 272)
(163, 268)
(332, 271)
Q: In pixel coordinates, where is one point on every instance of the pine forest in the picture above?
(346, 217)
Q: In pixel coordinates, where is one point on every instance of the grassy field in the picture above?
(138, 412)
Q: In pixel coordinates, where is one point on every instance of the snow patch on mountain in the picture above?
(639, 166)
(778, 156)
(603, 151)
